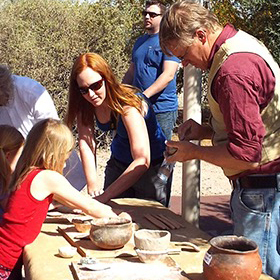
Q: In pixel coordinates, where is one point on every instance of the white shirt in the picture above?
(31, 103)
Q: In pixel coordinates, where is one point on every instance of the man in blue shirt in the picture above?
(154, 72)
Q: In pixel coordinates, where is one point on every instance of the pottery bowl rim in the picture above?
(217, 240)
(152, 234)
(111, 223)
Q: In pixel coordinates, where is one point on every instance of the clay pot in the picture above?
(111, 233)
(232, 258)
(152, 240)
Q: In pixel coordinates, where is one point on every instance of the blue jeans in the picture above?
(147, 187)
(255, 214)
(167, 122)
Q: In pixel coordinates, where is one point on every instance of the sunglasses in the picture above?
(151, 14)
(94, 86)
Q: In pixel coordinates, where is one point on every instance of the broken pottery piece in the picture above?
(67, 251)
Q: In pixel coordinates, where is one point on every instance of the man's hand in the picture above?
(185, 151)
(191, 130)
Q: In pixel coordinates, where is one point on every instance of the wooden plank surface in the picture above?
(44, 250)
(131, 269)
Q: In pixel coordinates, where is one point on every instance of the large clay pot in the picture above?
(111, 233)
(232, 258)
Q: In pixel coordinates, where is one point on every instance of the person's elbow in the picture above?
(143, 162)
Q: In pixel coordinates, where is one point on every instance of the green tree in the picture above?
(260, 18)
(41, 38)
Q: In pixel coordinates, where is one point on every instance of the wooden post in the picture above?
(191, 169)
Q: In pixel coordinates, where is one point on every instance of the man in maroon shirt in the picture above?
(243, 95)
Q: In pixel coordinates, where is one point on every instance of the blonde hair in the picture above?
(6, 85)
(48, 145)
(10, 140)
(117, 94)
(181, 21)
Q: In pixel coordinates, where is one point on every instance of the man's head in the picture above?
(152, 15)
(187, 30)
(6, 85)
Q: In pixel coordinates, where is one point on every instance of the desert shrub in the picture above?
(41, 38)
(260, 18)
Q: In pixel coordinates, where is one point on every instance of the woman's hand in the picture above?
(94, 191)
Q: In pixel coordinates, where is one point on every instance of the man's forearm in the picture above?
(128, 77)
(217, 155)
(169, 70)
(220, 156)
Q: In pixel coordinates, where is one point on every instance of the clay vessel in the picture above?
(232, 258)
(111, 233)
(152, 240)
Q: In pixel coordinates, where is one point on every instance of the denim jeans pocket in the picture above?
(253, 201)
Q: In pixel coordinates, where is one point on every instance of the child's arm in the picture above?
(50, 182)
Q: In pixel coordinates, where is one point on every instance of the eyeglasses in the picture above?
(151, 14)
(182, 57)
(94, 86)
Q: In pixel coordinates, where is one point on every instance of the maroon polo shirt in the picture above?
(242, 87)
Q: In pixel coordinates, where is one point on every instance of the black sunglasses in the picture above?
(151, 14)
(94, 86)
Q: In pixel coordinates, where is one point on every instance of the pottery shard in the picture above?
(152, 240)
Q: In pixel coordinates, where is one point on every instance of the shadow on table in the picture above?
(194, 276)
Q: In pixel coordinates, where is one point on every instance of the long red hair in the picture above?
(117, 94)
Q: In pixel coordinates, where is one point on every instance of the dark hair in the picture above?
(158, 3)
(6, 85)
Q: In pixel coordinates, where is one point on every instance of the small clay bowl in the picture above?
(151, 256)
(67, 251)
(111, 233)
(82, 225)
(152, 240)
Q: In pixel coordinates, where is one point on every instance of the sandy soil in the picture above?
(213, 181)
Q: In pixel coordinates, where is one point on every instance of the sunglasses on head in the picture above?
(94, 86)
(151, 14)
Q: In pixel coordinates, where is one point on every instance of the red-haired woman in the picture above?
(138, 145)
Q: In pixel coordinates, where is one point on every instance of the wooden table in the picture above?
(41, 260)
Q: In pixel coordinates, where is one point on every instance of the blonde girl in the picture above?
(11, 143)
(36, 180)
